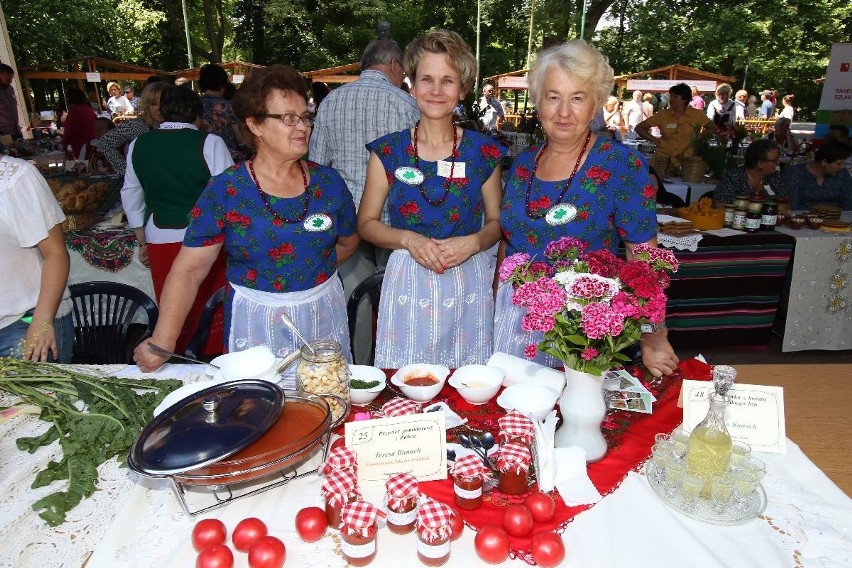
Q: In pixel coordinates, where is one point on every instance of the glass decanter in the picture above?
(709, 449)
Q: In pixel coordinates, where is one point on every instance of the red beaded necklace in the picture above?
(265, 198)
(443, 199)
(565, 187)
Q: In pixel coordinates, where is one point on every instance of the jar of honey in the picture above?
(339, 488)
(401, 502)
(339, 458)
(469, 475)
(433, 533)
(358, 533)
(515, 427)
(513, 463)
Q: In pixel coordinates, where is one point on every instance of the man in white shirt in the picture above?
(634, 113)
(493, 109)
(740, 101)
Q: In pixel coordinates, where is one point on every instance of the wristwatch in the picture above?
(646, 328)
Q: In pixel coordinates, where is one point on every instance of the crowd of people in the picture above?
(292, 209)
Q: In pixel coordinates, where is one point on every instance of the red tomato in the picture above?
(246, 532)
(311, 523)
(518, 521)
(548, 550)
(267, 552)
(207, 533)
(492, 544)
(457, 526)
(541, 506)
(216, 556)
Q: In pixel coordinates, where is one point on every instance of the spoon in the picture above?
(485, 442)
(468, 442)
(289, 323)
(159, 350)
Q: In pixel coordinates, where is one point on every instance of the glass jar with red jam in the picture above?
(358, 532)
(513, 464)
(433, 533)
(515, 427)
(401, 502)
(399, 406)
(339, 488)
(339, 458)
(469, 475)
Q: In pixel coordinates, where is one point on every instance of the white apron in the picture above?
(443, 319)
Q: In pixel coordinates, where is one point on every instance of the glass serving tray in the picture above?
(703, 509)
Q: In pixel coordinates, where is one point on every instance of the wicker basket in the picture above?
(79, 221)
(661, 164)
(693, 169)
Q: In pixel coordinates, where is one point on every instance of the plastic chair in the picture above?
(193, 348)
(371, 286)
(103, 315)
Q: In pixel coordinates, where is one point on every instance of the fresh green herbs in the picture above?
(358, 384)
(94, 419)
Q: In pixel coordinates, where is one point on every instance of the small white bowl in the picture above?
(366, 373)
(254, 363)
(534, 401)
(420, 393)
(477, 384)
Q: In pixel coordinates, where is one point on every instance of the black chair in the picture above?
(371, 287)
(103, 314)
(193, 348)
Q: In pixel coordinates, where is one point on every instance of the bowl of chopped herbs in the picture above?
(365, 384)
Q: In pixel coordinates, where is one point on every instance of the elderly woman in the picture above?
(782, 136)
(442, 186)
(114, 142)
(167, 170)
(722, 110)
(284, 223)
(575, 185)
(613, 118)
(757, 172)
(35, 314)
(823, 180)
(117, 103)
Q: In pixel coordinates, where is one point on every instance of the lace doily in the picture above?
(686, 242)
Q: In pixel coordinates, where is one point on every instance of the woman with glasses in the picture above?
(442, 186)
(821, 181)
(752, 178)
(284, 223)
(167, 169)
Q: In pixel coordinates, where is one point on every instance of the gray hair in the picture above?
(380, 52)
(583, 62)
(724, 88)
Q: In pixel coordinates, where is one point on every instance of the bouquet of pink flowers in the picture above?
(590, 305)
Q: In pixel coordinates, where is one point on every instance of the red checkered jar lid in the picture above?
(359, 517)
(339, 485)
(516, 425)
(340, 457)
(400, 407)
(402, 485)
(433, 520)
(515, 456)
(470, 467)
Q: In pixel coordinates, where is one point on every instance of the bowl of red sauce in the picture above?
(421, 381)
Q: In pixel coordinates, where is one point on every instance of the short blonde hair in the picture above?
(150, 96)
(447, 42)
(583, 62)
(724, 88)
(112, 84)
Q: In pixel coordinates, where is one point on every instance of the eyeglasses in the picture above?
(292, 119)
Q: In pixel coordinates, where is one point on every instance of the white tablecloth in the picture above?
(130, 523)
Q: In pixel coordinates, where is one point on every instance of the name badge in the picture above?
(560, 214)
(768, 189)
(672, 125)
(409, 175)
(317, 222)
(444, 168)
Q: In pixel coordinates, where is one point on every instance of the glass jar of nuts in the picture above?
(324, 371)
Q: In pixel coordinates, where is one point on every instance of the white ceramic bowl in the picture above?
(254, 363)
(366, 373)
(477, 384)
(534, 401)
(420, 393)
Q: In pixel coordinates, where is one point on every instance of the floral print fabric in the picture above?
(264, 252)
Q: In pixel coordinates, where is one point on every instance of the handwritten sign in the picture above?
(93, 77)
(414, 444)
(755, 413)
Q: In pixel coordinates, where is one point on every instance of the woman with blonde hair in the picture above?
(722, 109)
(117, 103)
(577, 185)
(113, 144)
(442, 186)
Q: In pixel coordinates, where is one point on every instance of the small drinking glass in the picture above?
(739, 451)
(680, 443)
(721, 490)
(755, 465)
(745, 481)
(659, 461)
(691, 485)
(674, 473)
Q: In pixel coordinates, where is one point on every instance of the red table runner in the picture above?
(629, 435)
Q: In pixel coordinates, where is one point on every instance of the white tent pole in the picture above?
(7, 56)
